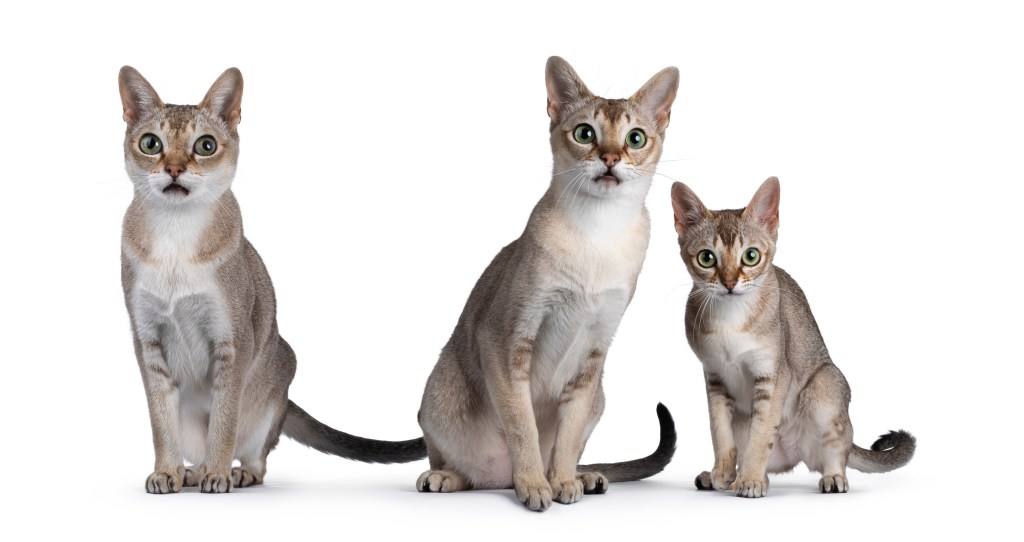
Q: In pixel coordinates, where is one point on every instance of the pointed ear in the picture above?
(687, 207)
(137, 95)
(564, 87)
(224, 98)
(764, 206)
(657, 95)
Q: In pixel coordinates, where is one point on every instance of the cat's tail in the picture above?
(305, 429)
(890, 452)
(637, 469)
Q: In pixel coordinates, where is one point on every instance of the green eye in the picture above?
(584, 133)
(706, 258)
(205, 146)
(150, 144)
(636, 138)
(751, 256)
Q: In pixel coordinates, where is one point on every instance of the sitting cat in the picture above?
(517, 389)
(202, 306)
(774, 396)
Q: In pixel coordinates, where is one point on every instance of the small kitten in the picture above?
(202, 306)
(774, 396)
(517, 389)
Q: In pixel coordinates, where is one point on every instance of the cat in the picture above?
(774, 396)
(201, 304)
(517, 389)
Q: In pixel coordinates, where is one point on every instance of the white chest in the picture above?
(738, 356)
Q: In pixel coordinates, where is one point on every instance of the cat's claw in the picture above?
(162, 483)
(833, 483)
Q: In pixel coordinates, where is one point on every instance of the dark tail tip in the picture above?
(639, 469)
(893, 439)
(667, 441)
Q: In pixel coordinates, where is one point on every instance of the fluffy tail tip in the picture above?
(892, 439)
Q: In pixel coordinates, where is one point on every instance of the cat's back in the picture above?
(804, 340)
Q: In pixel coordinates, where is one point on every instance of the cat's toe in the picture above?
(567, 491)
(833, 483)
(751, 488)
(594, 483)
(241, 477)
(534, 492)
(161, 483)
(215, 483)
(439, 481)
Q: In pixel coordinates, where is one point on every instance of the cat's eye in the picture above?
(751, 257)
(584, 133)
(150, 144)
(205, 146)
(706, 259)
(636, 138)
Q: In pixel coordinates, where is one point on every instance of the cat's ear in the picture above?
(564, 87)
(687, 207)
(137, 95)
(657, 95)
(764, 206)
(224, 98)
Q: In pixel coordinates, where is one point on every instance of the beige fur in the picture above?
(201, 304)
(517, 389)
(774, 396)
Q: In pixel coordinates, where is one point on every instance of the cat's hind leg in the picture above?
(828, 433)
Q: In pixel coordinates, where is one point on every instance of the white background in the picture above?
(388, 152)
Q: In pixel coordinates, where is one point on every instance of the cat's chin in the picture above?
(608, 181)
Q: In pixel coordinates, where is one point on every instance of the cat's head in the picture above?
(728, 252)
(606, 148)
(181, 154)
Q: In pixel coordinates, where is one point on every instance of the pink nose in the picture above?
(610, 159)
(174, 170)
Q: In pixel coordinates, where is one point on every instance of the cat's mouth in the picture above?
(608, 178)
(175, 188)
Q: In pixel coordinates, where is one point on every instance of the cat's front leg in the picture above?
(162, 397)
(720, 409)
(508, 383)
(220, 443)
(769, 394)
(576, 418)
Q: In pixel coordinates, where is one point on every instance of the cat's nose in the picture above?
(610, 159)
(729, 284)
(174, 170)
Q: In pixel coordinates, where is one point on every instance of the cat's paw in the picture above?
(190, 476)
(594, 483)
(213, 482)
(751, 487)
(533, 491)
(833, 483)
(241, 477)
(439, 481)
(718, 478)
(567, 491)
(162, 482)
(703, 481)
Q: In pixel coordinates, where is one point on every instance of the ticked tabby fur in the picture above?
(517, 389)
(774, 396)
(201, 304)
